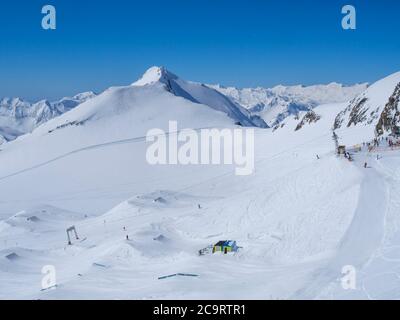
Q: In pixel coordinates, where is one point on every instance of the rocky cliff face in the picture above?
(356, 113)
(389, 120)
(374, 112)
(310, 117)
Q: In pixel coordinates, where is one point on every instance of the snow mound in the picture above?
(39, 219)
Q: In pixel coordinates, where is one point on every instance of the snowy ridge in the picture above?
(258, 107)
(118, 115)
(158, 95)
(18, 117)
(199, 93)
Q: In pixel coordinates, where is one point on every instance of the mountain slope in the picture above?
(374, 112)
(199, 93)
(18, 117)
(281, 216)
(118, 116)
(259, 107)
(151, 102)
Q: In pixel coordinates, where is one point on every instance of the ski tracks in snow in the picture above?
(361, 240)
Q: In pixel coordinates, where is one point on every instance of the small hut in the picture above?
(225, 246)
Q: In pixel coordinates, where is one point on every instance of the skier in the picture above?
(318, 157)
(127, 237)
(365, 165)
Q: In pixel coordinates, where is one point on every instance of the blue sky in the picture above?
(98, 44)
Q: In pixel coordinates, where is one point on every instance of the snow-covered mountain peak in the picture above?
(83, 96)
(12, 103)
(155, 74)
(43, 102)
(198, 93)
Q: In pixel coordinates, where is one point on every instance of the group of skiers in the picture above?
(391, 143)
(377, 142)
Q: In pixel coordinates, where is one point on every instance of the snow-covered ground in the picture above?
(303, 215)
(379, 278)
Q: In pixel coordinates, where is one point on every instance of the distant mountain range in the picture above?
(275, 104)
(18, 117)
(374, 112)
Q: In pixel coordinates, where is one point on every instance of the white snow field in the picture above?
(298, 219)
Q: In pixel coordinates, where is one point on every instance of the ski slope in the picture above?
(303, 215)
(362, 239)
(282, 216)
(379, 277)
